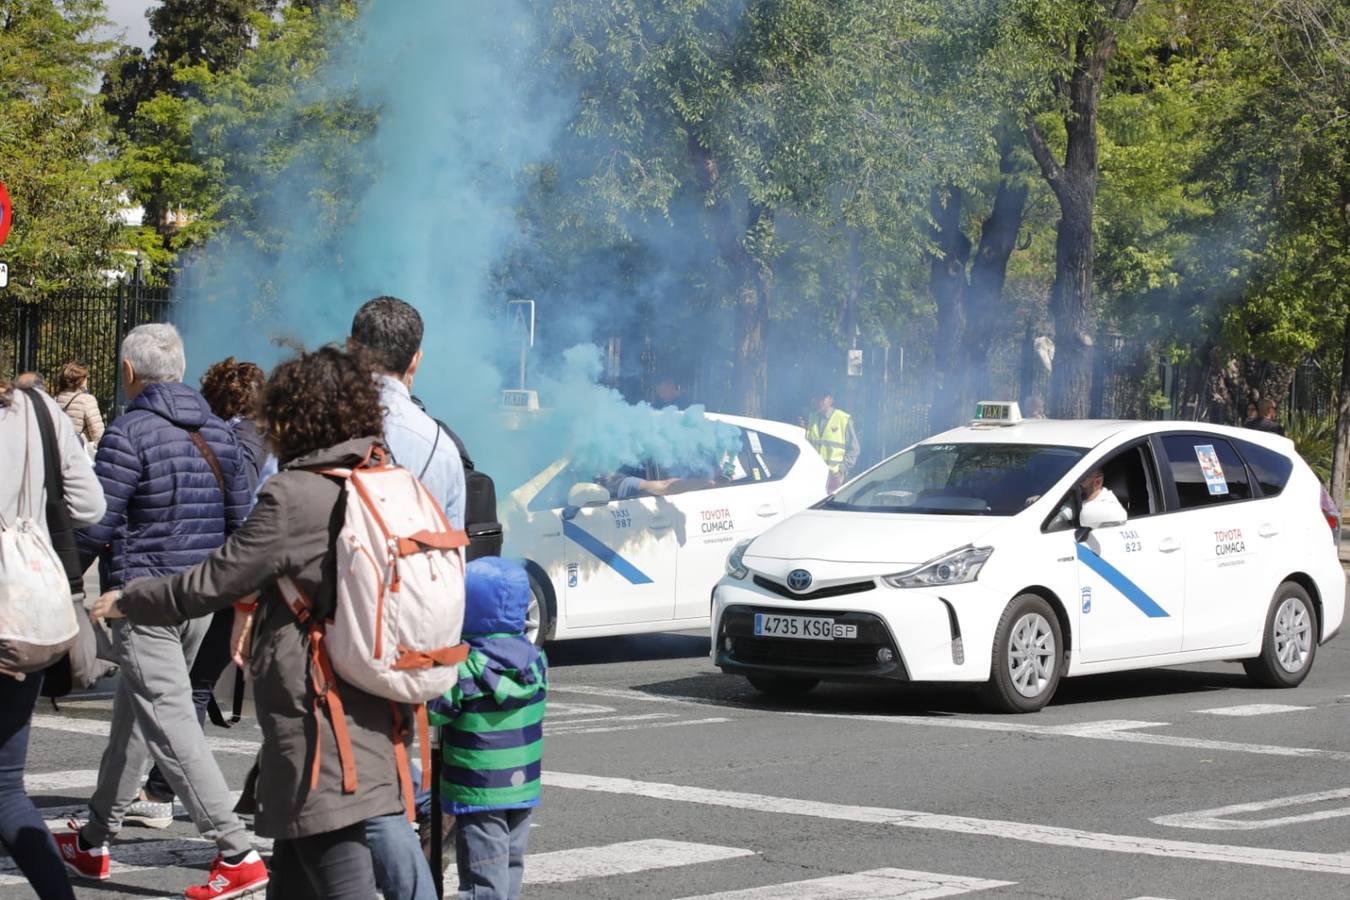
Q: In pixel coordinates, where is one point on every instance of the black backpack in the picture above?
(480, 498)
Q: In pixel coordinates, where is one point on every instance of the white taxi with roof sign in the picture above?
(640, 550)
(1016, 553)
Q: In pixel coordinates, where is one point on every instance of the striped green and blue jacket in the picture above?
(493, 734)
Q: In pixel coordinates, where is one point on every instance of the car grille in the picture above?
(834, 590)
(778, 651)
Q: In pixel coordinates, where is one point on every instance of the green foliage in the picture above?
(53, 155)
(1314, 437)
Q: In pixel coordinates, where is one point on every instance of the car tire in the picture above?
(539, 614)
(1028, 657)
(782, 685)
(1289, 641)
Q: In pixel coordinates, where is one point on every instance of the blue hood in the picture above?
(174, 401)
(496, 597)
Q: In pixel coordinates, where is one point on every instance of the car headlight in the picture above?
(735, 566)
(957, 567)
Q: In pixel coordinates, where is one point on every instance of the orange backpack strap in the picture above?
(398, 737)
(427, 659)
(327, 700)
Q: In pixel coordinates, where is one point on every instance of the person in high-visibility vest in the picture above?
(832, 433)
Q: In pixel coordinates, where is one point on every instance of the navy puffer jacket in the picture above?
(165, 510)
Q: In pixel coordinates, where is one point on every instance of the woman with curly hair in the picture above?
(322, 410)
(232, 390)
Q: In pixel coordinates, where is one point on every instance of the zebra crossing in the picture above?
(583, 868)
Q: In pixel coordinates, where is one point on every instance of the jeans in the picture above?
(334, 865)
(152, 718)
(490, 853)
(212, 659)
(401, 871)
(22, 830)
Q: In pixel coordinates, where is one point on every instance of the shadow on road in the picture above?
(630, 648)
(942, 700)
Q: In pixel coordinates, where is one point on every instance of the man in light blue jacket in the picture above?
(390, 330)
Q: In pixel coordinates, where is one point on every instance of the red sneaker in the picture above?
(231, 881)
(92, 863)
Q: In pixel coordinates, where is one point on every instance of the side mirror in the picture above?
(1100, 515)
(587, 494)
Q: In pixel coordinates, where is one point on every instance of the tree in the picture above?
(53, 145)
(1088, 44)
(210, 35)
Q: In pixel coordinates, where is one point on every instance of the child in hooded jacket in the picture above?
(493, 737)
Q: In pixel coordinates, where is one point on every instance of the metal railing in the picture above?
(81, 324)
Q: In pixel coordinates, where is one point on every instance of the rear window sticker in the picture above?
(1212, 469)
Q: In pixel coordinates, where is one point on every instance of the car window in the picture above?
(1206, 469)
(1270, 467)
(554, 494)
(958, 479)
(761, 457)
(1129, 475)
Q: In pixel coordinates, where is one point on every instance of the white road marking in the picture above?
(556, 709)
(146, 856)
(600, 729)
(1252, 709)
(34, 782)
(1306, 861)
(878, 884)
(100, 728)
(592, 720)
(1105, 731)
(1218, 819)
(624, 858)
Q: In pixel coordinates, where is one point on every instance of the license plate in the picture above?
(808, 628)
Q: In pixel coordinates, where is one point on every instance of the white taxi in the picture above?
(640, 550)
(1015, 553)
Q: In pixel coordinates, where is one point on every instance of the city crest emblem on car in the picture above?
(799, 580)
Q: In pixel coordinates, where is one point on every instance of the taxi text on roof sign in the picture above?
(997, 412)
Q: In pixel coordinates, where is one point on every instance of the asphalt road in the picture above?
(666, 779)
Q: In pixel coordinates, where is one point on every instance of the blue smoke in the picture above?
(462, 111)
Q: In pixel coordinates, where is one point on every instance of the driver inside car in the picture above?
(1096, 494)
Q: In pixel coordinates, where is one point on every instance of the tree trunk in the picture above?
(988, 273)
(755, 284)
(1342, 446)
(1075, 185)
(947, 283)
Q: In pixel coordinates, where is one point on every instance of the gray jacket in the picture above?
(19, 433)
(291, 531)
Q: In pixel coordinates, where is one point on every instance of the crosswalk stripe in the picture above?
(1049, 835)
(626, 858)
(65, 779)
(100, 728)
(592, 720)
(556, 709)
(129, 858)
(877, 884)
(1252, 709)
(602, 729)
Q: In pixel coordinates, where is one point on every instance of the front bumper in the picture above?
(930, 637)
(871, 656)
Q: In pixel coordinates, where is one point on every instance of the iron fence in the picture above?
(81, 324)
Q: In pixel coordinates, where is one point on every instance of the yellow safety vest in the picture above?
(831, 440)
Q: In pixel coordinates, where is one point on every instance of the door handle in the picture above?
(766, 511)
(1169, 545)
(1267, 530)
(658, 524)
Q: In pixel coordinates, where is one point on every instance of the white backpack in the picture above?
(37, 616)
(395, 631)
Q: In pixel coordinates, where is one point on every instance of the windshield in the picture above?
(958, 479)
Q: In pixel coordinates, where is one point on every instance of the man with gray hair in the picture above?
(176, 488)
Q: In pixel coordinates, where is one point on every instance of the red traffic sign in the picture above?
(6, 213)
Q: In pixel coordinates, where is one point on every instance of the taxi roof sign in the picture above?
(997, 412)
